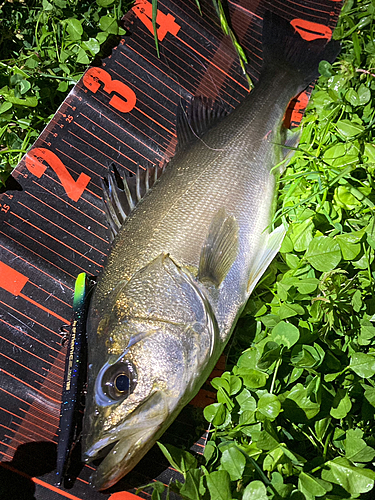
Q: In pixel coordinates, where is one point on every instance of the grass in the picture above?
(294, 415)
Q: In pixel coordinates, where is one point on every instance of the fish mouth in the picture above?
(125, 445)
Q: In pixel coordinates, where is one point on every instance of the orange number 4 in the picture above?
(166, 22)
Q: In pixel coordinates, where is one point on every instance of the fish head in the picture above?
(147, 358)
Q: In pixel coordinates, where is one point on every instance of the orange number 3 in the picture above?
(94, 76)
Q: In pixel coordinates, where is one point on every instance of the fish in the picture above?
(189, 246)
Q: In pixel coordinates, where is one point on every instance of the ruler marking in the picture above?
(45, 309)
(198, 79)
(29, 438)
(31, 387)
(128, 132)
(210, 62)
(32, 320)
(35, 253)
(158, 68)
(126, 68)
(83, 153)
(122, 142)
(132, 125)
(68, 218)
(143, 69)
(50, 294)
(106, 143)
(69, 205)
(29, 352)
(101, 152)
(24, 366)
(13, 414)
(28, 263)
(65, 230)
(50, 249)
(55, 239)
(155, 121)
(28, 335)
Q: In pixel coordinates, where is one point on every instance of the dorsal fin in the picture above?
(194, 121)
(121, 194)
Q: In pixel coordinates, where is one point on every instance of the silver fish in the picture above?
(185, 261)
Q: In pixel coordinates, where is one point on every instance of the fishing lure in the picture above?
(71, 413)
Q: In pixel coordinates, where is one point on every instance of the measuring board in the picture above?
(53, 225)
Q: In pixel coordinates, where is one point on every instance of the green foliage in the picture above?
(45, 47)
(294, 416)
(227, 30)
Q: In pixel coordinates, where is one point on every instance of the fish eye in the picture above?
(122, 382)
(119, 380)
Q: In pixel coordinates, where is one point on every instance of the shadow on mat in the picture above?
(31, 459)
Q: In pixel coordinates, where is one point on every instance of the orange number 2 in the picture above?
(94, 76)
(34, 163)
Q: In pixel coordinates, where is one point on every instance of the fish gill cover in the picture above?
(53, 225)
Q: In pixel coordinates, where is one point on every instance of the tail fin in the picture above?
(284, 46)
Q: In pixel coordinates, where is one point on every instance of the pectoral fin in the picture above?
(220, 249)
(271, 246)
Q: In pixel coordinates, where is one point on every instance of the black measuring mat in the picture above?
(53, 225)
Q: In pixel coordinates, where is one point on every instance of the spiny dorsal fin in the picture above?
(121, 194)
(201, 115)
(220, 249)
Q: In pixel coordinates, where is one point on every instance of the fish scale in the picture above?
(236, 167)
(198, 190)
(185, 261)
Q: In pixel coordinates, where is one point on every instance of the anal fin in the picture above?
(286, 147)
(220, 249)
(266, 254)
(292, 138)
